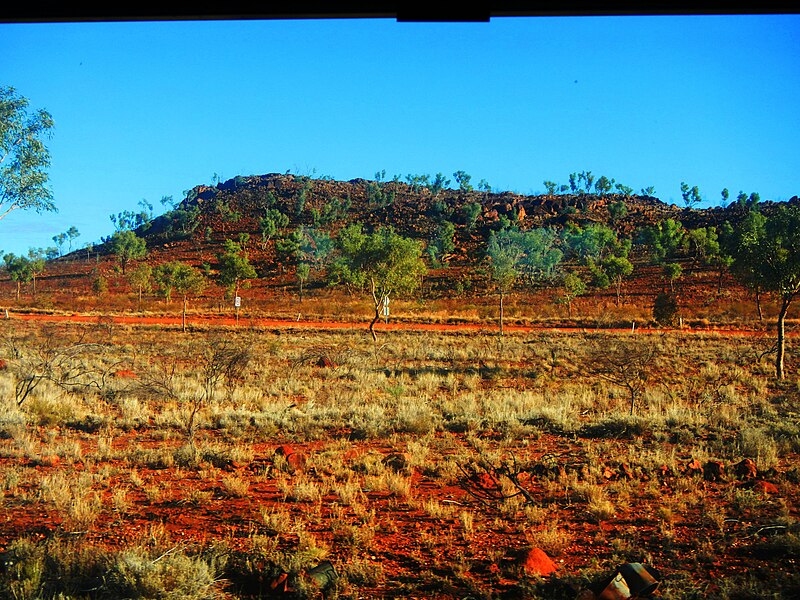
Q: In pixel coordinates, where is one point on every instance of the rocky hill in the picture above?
(197, 227)
(235, 206)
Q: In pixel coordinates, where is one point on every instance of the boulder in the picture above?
(537, 563)
(746, 469)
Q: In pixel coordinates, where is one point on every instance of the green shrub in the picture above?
(665, 309)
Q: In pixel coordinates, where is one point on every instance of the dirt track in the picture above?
(222, 321)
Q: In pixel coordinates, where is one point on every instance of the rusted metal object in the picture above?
(639, 579)
(616, 589)
(631, 580)
(323, 575)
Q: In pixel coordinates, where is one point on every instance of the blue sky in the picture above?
(148, 109)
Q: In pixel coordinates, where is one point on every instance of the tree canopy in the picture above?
(127, 246)
(384, 263)
(24, 158)
(234, 267)
(766, 255)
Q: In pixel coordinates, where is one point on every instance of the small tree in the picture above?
(303, 271)
(572, 286)
(19, 270)
(384, 263)
(60, 239)
(127, 246)
(505, 250)
(766, 253)
(691, 196)
(38, 264)
(463, 181)
(270, 224)
(628, 363)
(234, 268)
(617, 268)
(665, 309)
(603, 185)
(72, 234)
(617, 210)
(672, 272)
(442, 244)
(180, 278)
(471, 212)
(666, 239)
(141, 278)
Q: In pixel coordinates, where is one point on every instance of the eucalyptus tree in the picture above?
(24, 158)
(382, 264)
(181, 278)
(127, 246)
(505, 251)
(19, 269)
(234, 268)
(766, 251)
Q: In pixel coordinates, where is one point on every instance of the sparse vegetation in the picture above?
(140, 463)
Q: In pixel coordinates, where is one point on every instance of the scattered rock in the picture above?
(325, 362)
(295, 460)
(538, 563)
(714, 470)
(746, 469)
(693, 468)
(484, 481)
(125, 374)
(397, 462)
(765, 487)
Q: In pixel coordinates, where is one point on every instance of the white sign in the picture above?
(237, 302)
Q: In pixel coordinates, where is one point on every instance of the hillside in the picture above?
(195, 230)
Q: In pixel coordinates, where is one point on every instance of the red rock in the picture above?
(284, 450)
(538, 563)
(625, 471)
(746, 469)
(694, 467)
(3, 365)
(765, 487)
(325, 362)
(485, 481)
(125, 374)
(714, 470)
(296, 461)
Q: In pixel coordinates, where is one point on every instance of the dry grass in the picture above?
(387, 430)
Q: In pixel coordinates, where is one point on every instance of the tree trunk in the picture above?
(18, 287)
(758, 305)
(502, 315)
(375, 319)
(377, 312)
(781, 336)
